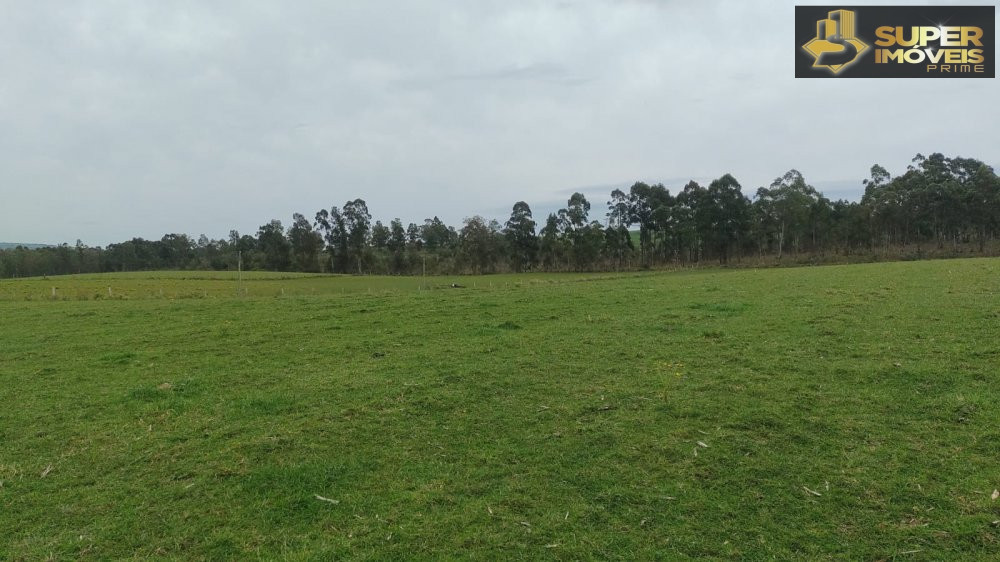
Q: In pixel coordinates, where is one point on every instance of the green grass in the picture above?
(220, 284)
(542, 417)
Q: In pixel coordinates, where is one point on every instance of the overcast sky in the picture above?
(142, 117)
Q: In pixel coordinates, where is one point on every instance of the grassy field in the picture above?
(845, 412)
(225, 284)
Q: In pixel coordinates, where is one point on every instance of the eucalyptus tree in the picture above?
(521, 239)
(306, 244)
(380, 236)
(688, 218)
(618, 238)
(275, 250)
(583, 239)
(551, 247)
(480, 244)
(724, 216)
(982, 199)
(436, 235)
(357, 220)
(792, 204)
(641, 213)
(334, 228)
(397, 245)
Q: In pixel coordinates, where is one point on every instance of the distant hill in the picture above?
(11, 245)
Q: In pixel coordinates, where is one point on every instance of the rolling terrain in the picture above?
(827, 412)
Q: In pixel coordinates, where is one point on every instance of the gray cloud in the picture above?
(139, 118)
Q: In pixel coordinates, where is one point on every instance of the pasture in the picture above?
(227, 284)
(842, 412)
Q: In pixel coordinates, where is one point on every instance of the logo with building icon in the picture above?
(836, 45)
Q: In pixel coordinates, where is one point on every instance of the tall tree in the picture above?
(306, 244)
(574, 216)
(357, 220)
(380, 236)
(551, 247)
(521, 237)
(480, 244)
(688, 215)
(617, 236)
(414, 237)
(175, 250)
(585, 239)
(274, 247)
(397, 245)
(645, 203)
(334, 228)
(725, 216)
(641, 212)
(436, 235)
(792, 202)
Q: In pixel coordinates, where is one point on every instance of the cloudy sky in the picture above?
(142, 117)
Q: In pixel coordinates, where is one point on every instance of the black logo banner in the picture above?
(895, 41)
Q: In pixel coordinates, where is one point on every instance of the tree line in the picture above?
(939, 206)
